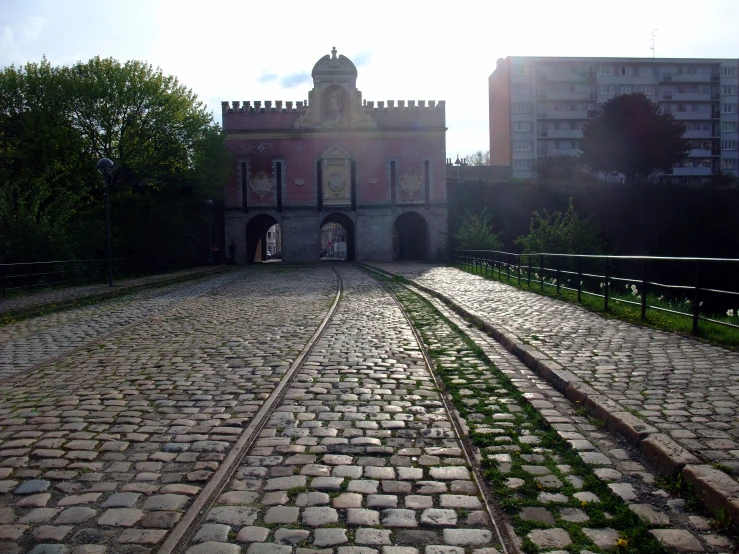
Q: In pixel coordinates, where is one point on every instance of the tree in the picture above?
(561, 169)
(630, 134)
(562, 233)
(476, 232)
(56, 122)
(479, 158)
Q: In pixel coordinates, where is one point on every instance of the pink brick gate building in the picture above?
(378, 169)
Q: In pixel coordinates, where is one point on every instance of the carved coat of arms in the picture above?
(410, 182)
(261, 184)
(336, 182)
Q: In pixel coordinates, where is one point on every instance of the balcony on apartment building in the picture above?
(699, 134)
(688, 97)
(693, 116)
(689, 78)
(560, 133)
(566, 95)
(553, 114)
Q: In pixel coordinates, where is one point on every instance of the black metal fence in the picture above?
(693, 278)
(30, 276)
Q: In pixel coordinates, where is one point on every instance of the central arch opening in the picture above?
(337, 238)
(410, 237)
(263, 239)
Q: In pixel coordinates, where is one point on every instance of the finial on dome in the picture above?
(333, 53)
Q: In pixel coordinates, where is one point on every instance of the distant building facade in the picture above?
(377, 169)
(539, 106)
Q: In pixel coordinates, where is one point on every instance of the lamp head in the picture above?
(105, 166)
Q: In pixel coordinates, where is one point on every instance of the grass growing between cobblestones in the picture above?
(718, 335)
(538, 480)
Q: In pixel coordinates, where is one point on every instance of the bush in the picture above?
(476, 232)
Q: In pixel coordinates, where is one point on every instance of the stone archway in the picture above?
(348, 227)
(411, 231)
(256, 237)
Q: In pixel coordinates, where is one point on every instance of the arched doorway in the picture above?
(337, 237)
(258, 245)
(410, 237)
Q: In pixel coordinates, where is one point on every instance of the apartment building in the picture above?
(539, 106)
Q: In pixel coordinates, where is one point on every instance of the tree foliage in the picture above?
(479, 158)
(631, 135)
(562, 233)
(56, 122)
(476, 232)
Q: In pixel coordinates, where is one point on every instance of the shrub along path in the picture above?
(671, 396)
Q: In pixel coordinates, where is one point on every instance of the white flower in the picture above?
(602, 285)
(580, 283)
(701, 303)
(627, 286)
(638, 297)
(662, 297)
(554, 281)
(730, 313)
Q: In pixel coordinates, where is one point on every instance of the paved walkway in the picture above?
(685, 388)
(69, 294)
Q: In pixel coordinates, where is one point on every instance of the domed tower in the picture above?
(334, 101)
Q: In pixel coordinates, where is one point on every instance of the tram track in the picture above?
(178, 540)
(503, 534)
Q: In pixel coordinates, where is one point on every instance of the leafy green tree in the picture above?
(56, 122)
(630, 134)
(476, 232)
(562, 233)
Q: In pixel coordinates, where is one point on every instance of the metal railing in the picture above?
(601, 271)
(30, 276)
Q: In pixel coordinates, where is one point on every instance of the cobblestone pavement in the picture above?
(682, 387)
(361, 456)
(33, 341)
(557, 503)
(107, 446)
(67, 294)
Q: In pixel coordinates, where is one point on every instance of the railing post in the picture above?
(3, 279)
(644, 291)
(529, 271)
(541, 274)
(487, 262)
(508, 266)
(579, 279)
(605, 303)
(696, 306)
(559, 273)
(500, 262)
(518, 267)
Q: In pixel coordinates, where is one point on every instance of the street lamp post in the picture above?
(105, 167)
(209, 204)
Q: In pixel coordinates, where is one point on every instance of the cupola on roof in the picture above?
(334, 68)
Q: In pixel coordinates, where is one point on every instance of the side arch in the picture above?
(256, 237)
(410, 237)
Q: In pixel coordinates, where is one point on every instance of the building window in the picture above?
(606, 89)
(522, 126)
(522, 107)
(605, 71)
(520, 69)
(522, 164)
(728, 145)
(626, 89)
(646, 71)
(728, 71)
(521, 88)
(522, 146)
(728, 89)
(624, 71)
(728, 108)
(647, 89)
(728, 127)
(729, 163)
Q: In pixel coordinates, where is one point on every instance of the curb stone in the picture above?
(714, 487)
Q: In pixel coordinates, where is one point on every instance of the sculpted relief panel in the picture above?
(336, 177)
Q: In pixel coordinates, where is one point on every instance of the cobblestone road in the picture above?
(108, 445)
(33, 341)
(360, 457)
(684, 388)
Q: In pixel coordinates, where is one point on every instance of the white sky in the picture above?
(404, 50)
